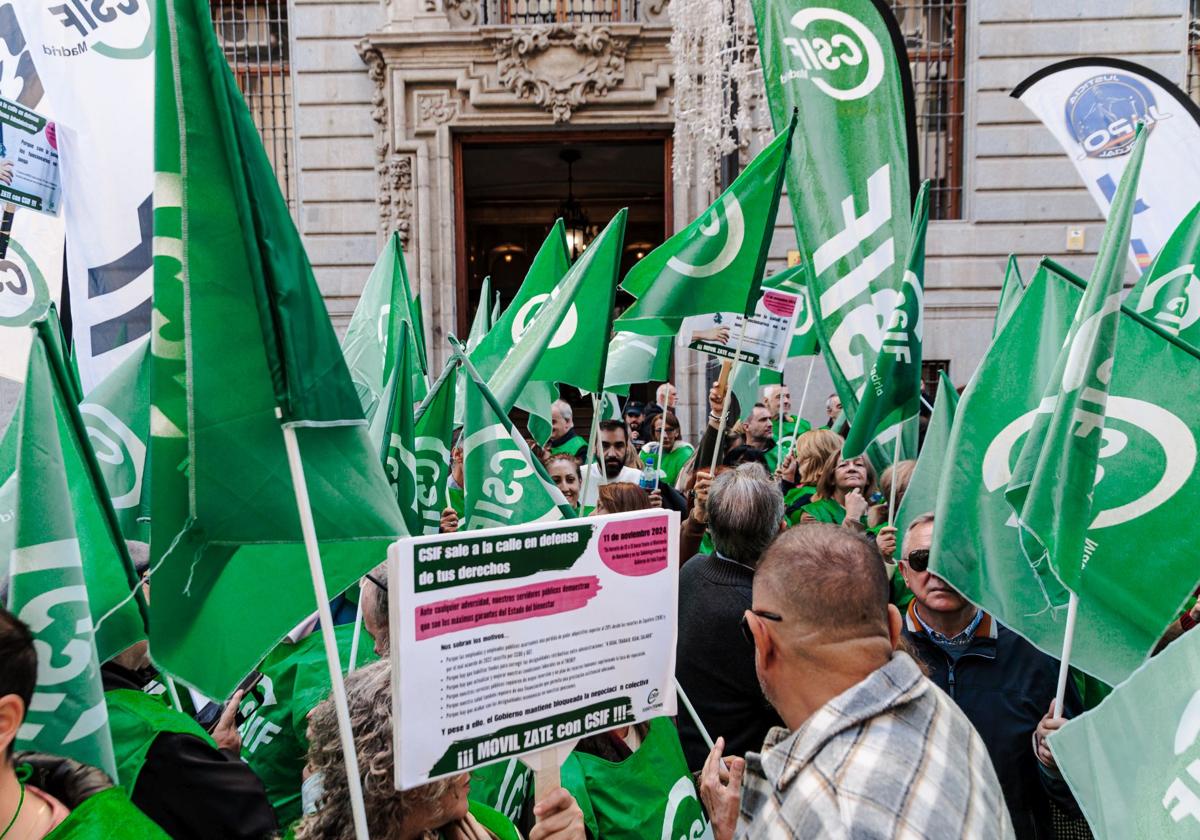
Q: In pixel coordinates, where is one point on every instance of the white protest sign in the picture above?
(509, 641)
(28, 159)
(768, 333)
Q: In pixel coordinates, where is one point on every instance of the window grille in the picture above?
(254, 36)
(935, 35)
(1193, 51)
(519, 12)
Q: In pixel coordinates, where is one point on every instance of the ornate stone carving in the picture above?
(560, 67)
(462, 12)
(395, 171)
(435, 107)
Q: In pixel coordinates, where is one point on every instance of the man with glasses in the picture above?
(870, 748)
(1003, 684)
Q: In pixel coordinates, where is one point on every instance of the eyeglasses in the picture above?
(917, 559)
(763, 614)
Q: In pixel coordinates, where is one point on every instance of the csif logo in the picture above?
(836, 51)
(683, 818)
(119, 29)
(1172, 300)
(24, 295)
(528, 313)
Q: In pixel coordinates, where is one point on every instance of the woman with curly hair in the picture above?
(439, 810)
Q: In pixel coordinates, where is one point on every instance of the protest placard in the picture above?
(28, 159)
(768, 333)
(509, 641)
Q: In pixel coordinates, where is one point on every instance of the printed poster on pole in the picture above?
(768, 333)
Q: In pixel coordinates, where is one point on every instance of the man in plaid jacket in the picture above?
(873, 749)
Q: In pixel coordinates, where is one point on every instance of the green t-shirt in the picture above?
(672, 462)
(791, 497)
(649, 794)
(825, 510)
(105, 815)
(275, 732)
(135, 720)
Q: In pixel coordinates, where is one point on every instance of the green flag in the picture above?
(851, 182)
(371, 342)
(634, 359)
(392, 432)
(107, 570)
(536, 340)
(486, 315)
(1133, 762)
(433, 433)
(1053, 481)
(922, 493)
(1149, 471)
(1169, 292)
(716, 263)
(241, 343)
(505, 484)
(117, 415)
(1010, 294)
(893, 391)
(49, 589)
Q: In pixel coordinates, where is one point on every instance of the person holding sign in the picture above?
(439, 810)
(843, 493)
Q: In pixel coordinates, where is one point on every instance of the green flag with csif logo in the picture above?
(893, 391)
(1169, 292)
(391, 430)
(1133, 762)
(842, 65)
(433, 434)
(1052, 483)
(716, 263)
(1148, 472)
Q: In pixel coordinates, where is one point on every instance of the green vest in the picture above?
(506, 786)
(135, 720)
(649, 794)
(672, 462)
(105, 815)
(495, 822)
(792, 496)
(275, 732)
(572, 446)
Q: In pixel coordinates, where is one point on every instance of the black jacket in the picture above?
(1004, 685)
(192, 790)
(714, 662)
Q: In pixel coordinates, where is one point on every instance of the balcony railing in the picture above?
(521, 12)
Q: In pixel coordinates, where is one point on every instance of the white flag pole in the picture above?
(1064, 666)
(803, 398)
(691, 710)
(591, 450)
(172, 692)
(737, 352)
(357, 635)
(340, 705)
(895, 482)
(662, 441)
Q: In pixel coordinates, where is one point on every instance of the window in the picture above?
(254, 36)
(931, 370)
(934, 33)
(1193, 51)
(557, 11)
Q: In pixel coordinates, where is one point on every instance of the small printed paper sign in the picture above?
(508, 641)
(768, 333)
(29, 174)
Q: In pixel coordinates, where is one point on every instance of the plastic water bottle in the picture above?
(648, 480)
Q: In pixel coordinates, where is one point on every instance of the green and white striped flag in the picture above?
(433, 433)
(242, 344)
(371, 344)
(505, 484)
(48, 587)
(392, 431)
(1010, 294)
(117, 415)
(1169, 292)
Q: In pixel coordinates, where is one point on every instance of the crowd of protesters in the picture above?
(840, 688)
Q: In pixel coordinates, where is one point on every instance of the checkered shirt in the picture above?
(891, 757)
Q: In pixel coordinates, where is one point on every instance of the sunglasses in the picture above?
(917, 559)
(763, 614)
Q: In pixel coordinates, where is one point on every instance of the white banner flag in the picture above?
(31, 270)
(95, 61)
(1092, 106)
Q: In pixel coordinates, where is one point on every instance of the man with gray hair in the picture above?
(871, 747)
(714, 663)
(563, 437)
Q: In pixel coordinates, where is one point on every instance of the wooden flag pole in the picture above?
(737, 352)
(803, 398)
(1064, 666)
(340, 705)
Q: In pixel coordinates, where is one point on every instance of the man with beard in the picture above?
(614, 452)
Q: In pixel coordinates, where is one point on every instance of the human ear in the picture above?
(895, 625)
(12, 713)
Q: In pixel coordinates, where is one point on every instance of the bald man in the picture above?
(871, 747)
